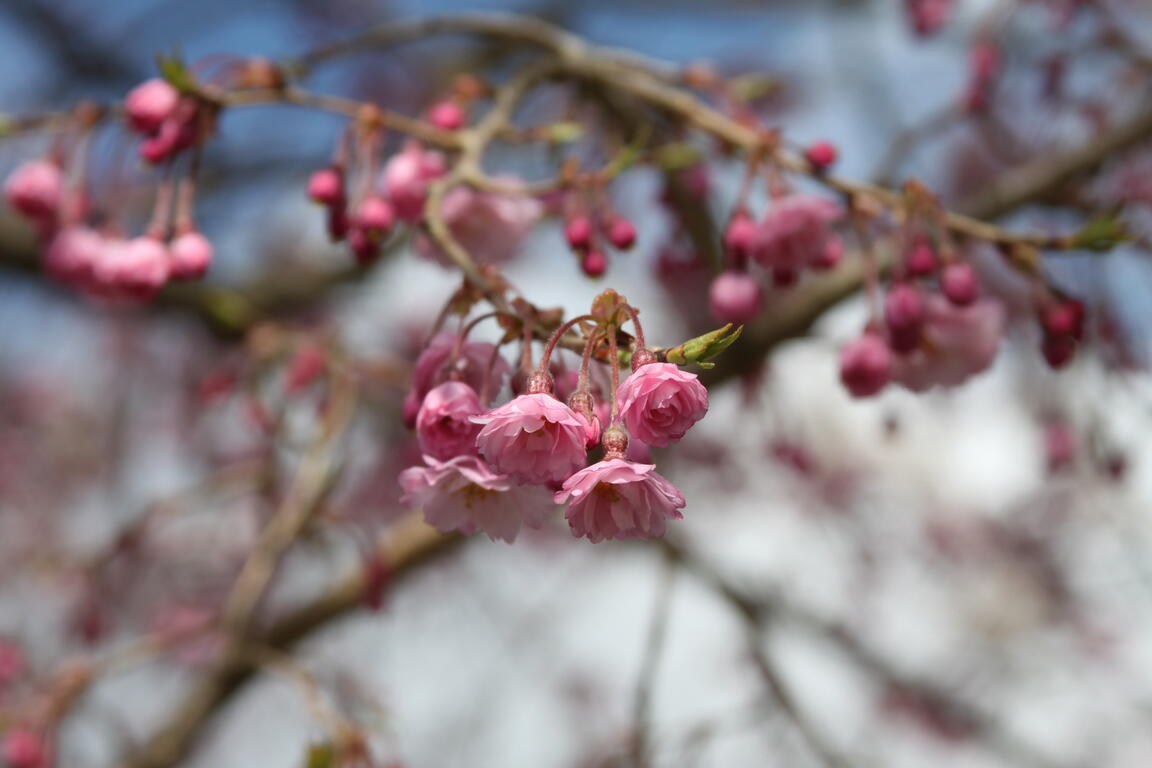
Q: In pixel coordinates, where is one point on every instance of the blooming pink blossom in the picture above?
(491, 227)
(659, 402)
(535, 438)
(958, 343)
(149, 104)
(406, 178)
(35, 189)
(443, 424)
(619, 499)
(191, 253)
(794, 233)
(466, 495)
(473, 366)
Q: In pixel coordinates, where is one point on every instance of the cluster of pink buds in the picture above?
(936, 329)
(169, 121)
(792, 237)
(588, 231)
(492, 469)
(52, 195)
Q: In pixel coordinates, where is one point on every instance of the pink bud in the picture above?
(578, 232)
(960, 284)
(375, 215)
(739, 234)
(622, 234)
(785, 277)
(734, 297)
(73, 253)
(191, 254)
(23, 748)
(904, 306)
(1058, 350)
(865, 365)
(137, 268)
(821, 155)
(149, 104)
(920, 261)
(1064, 319)
(364, 247)
(35, 189)
(831, 256)
(594, 264)
(447, 116)
(326, 186)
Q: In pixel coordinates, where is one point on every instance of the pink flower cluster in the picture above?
(930, 337)
(169, 122)
(793, 237)
(489, 469)
(489, 226)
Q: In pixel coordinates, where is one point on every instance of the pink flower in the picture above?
(734, 297)
(472, 366)
(465, 495)
(406, 178)
(659, 402)
(149, 104)
(35, 189)
(191, 254)
(958, 343)
(73, 253)
(23, 748)
(534, 438)
(489, 226)
(794, 233)
(135, 268)
(866, 365)
(443, 424)
(618, 499)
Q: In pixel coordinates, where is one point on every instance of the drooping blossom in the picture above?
(491, 227)
(406, 178)
(734, 297)
(35, 189)
(866, 365)
(135, 268)
(73, 253)
(957, 343)
(23, 748)
(535, 438)
(474, 365)
(619, 499)
(794, 233)
(466, 495)
(149, 104)
(443, 425)
(659, 403)
(190, 253)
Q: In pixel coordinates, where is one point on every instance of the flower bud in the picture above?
(594, 264)
(959, 284)
(622, 234)
(149, 104)
(821, 155)
(375, 215)
(865, 365)
(734, 297)
(326, 186)
(447, 116)
(190, 253)
(578, 232)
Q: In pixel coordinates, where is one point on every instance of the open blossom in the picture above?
(35, 189)
(406, 178)
(466, 495)
(659, 402)
(794, 233)
(490, 226)
(619, 499)
(534, 438)
(958, 342)
(443, 424)
(474, 364)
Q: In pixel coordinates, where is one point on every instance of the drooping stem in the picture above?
(635, 315)
(161, 207)
(614, 361)
(586, 361)
(554, 339)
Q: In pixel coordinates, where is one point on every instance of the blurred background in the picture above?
(959, 578)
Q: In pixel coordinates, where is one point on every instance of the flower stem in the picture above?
(554, 339)
(635, 314)
(615, 362)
